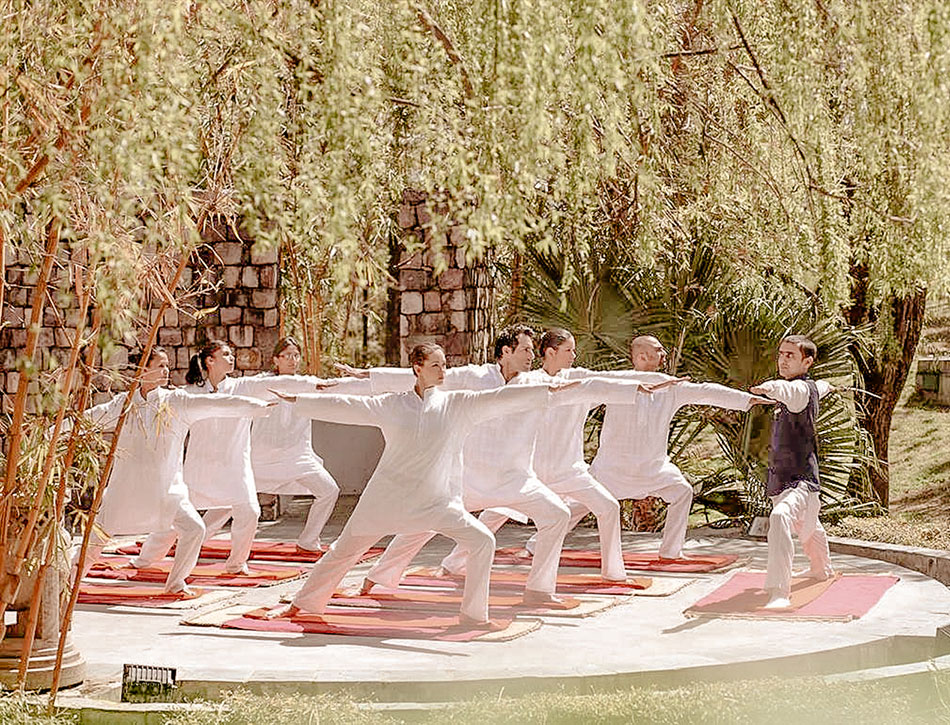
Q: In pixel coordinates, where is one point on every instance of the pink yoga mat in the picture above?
(135, 596)
(422, 600)
(386, 624)
(631, 560)
(509, 580)
(260, 551)
(843, 598)
(118, 567)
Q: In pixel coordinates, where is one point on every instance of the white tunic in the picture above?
(793, 394)
(634, 439)
(281, 446)
(499, 455)
(218, 461)
(146, 485)
(415, 485)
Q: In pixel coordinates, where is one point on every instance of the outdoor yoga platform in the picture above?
(641, 639)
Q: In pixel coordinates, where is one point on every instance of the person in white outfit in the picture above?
(498, 467)
(559, 453)
(217, 468)
(415, 485)
(632, 459)
(146, 491)
(283, 459)
(793, 483)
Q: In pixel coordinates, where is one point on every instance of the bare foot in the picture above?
(366, 586)
(490, 625)
(185, 592)
(534, 598)
(284, 611)
(816, 575)
(318, 549)
(242, 570)
(778, 602)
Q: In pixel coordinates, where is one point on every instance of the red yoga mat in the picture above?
(509, 580)
(260, 551)
(841, 598)
(631, 560)
(118, 567)
(135, 596)
(366, 623)
(441, 601)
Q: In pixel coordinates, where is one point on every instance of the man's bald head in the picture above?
(647, 353)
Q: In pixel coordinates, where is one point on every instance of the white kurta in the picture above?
(146, 486)
(217, 466)
(282, 449)
(634, 439)
(415, 485)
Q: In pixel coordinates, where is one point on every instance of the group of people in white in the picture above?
(499, 438)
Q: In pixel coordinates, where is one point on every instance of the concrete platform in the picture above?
(644, 641)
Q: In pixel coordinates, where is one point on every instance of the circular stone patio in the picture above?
(643, 640)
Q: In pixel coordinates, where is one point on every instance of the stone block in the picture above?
(171, 318)
(265, 340)
(410, 303)
(229, 252)
(169, 336)
(411, 196)
(14, 316)
(248, 358)
(455, 300)
(406, 217)
(249, 277)
(188, 335)
(63, 337)
(18, 338)
(214, 230)
(232, 276)
(432, 301)
(241, 335)
(45, 337)
(411, 261)
(451, 279)
(458, 320)
(403, 326)
(236, 298)
(271, 318)
(432, 324)
(19, 297)
(177, 378)
(230, 315)
(267, 275)
(182, 358)
(423, 215)
(262, 299)
(413, 279)
(51, 317)
(456, 237)
(254, 318)
(260, 255)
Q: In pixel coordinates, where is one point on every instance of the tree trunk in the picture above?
(886, 372)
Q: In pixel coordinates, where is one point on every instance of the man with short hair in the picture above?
(793, 483)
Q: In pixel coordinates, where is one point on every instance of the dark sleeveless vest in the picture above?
(794, 455)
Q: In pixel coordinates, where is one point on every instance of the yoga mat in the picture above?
(150, 597)
(510, 579)
(354, 622)
(501, 605)
(631, 560)
(260, 551)
(840, 599)
(118, 567)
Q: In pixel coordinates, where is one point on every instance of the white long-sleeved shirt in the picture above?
(415, 485)
(498, 457)
(217, 466)
(634, 439)
(281, 445)
(146, 484)
(793, 394)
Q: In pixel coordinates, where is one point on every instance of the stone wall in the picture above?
(452, 308)
(242, 310)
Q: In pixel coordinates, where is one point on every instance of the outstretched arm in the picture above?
(349, 409)
(594, 391)
(217, 405)
(794, 394)
(717, 395)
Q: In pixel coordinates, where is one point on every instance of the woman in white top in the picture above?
(217, 466)
(283, 458)
(416, 484)
(146, 492)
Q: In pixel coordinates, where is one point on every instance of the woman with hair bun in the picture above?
(146, 492)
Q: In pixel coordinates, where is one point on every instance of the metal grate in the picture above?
(147, 683)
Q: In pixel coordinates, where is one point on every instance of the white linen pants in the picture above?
(582, 493)
(243, 529)
(550, 515)
(469, 534)
(325, 493)
(667, 483)
(187, 527)
(795, 510)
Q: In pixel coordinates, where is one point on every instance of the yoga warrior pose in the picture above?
(415, 485)
(793, 483)
(146, 492)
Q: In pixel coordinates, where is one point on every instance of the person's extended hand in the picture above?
(283, 396)
(653, 387)
(352, 371)
(325, 384)
(557, 387)
(757, 390)
(759, 400)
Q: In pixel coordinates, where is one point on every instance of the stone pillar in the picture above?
(452, 308)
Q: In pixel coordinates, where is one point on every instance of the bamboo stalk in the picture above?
(9, 579)
(27, 537)
(110, 459)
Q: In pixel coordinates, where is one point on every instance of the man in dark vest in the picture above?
(793, 483)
